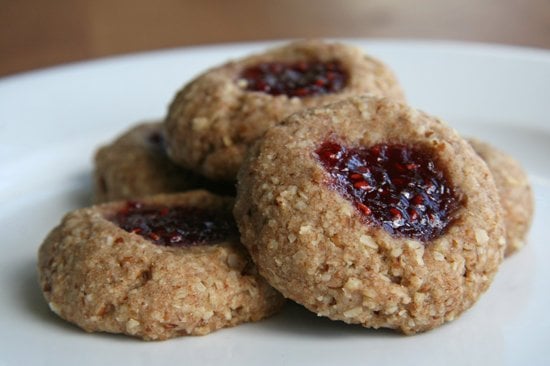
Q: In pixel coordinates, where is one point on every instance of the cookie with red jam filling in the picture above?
(371, 212)
(214, 118)
(156, 268)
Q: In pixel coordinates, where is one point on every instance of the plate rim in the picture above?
(480, 48)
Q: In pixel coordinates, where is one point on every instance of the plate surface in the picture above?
(51, 121)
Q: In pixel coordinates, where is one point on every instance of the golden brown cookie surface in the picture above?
(136, 165)
(313, 240)
(516, 194)
(101, 269)
(212, 120)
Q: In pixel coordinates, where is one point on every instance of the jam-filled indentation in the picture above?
(396, 186)
(176, 226)
(299, 79)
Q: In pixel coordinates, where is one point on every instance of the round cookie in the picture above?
(136, 165)
(516, 195)
(123, 267)
(213, 119)
(371, 212)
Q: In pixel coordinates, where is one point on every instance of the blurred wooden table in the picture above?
(35, 33)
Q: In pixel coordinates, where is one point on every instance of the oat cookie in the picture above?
(516, 194)
(136, 165)
(161, 267)
(371, 212)
(213, 119)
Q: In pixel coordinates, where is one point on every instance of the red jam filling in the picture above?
(300, 79)
(395, 186)
(175, 226)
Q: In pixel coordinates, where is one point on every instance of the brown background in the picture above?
(40, 33)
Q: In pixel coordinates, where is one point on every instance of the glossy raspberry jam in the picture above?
(398, 187)
(300, 79)
(175, 226)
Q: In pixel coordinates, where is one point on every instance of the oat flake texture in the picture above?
(515, 192)
(313, 245)
(104, 279)
(135, 164)
(214, 118)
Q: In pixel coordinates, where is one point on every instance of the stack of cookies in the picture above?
(299, 173)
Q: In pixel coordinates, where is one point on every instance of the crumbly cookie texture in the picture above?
(516, 194)
(103, 278)
(136, 165)
(312, 244)
(213, 119)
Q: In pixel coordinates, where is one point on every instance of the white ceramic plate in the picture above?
(51, 121)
